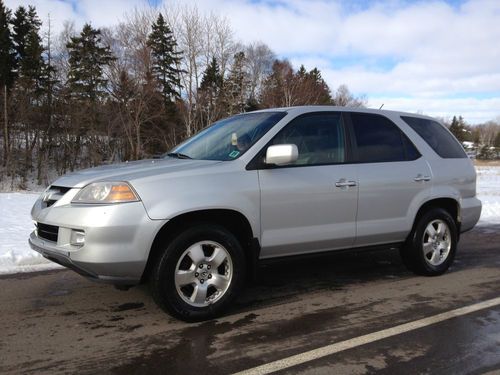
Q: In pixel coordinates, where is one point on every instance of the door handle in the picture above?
(422, 178)
(344, 183)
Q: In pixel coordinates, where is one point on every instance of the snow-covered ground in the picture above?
(488, 190)
(15, 227)
(16, 224)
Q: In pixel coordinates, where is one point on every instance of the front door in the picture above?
(310, 205)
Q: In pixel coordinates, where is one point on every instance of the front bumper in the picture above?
(118, 239)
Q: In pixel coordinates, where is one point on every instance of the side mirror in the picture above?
(281, 154)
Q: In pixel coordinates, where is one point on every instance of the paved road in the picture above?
(58, 322)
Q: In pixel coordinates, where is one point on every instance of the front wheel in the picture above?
(432, 244)
(199, 273)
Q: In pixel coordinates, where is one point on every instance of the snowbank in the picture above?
(15, 227)
(16, 224)
(488, 190)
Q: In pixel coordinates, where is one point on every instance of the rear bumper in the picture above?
(470, 212)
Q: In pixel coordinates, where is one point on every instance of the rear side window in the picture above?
(378, 139)
(437, 137)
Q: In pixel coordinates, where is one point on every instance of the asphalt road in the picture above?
(58, 322)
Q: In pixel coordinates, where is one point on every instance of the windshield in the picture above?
(227, 139)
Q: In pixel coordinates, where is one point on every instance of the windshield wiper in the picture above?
(178, 155)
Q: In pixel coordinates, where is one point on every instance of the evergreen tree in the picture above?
(460, 129)
(29, 50)
(7, 52)
(315, 75)
(20, 28)
(7, 65)
(166, 58)
(27, 93)
(209, 96)
(496, 143)
(321, 88)
(88, 57)
(302, 72)
(212, 78)
(454, 127)
(236, 86)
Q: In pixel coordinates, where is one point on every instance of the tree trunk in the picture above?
(6, 143)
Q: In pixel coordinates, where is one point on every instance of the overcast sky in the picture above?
(436, 57)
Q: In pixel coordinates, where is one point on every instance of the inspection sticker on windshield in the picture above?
(234, 154)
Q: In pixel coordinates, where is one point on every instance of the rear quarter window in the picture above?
(437, 137)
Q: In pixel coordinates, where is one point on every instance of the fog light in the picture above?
(77, 238)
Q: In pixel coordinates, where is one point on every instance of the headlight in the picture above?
(106, 192)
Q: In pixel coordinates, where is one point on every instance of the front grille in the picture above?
(47, 232)
(53, 194)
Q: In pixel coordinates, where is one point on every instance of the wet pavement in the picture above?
(58, 322)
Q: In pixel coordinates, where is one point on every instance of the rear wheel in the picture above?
(199, 273)
(432, 244)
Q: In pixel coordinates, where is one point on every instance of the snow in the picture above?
(15, 228)
(16, 224)
(488, 190)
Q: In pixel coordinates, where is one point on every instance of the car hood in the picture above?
(129, 171)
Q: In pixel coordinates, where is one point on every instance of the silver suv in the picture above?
(260, 185)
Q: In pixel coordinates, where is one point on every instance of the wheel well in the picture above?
(448, 204)
(233, 221)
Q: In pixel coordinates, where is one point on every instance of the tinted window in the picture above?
(436, 136)
(318, 136)
(410, 149)
(378, 139)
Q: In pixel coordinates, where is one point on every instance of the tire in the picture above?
(199, 273)
(432, 244)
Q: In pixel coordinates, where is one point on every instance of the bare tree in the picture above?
(188, 29)
(344, 98)
(224, 46)
(132, 85)
(259, 64)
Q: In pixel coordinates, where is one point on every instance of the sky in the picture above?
(441, 58)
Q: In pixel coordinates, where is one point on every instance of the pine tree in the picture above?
(496, 143)
(29, 49)
(27, 94)
(20, 28)
(7, 52)
(7, 65)
(166, 59)
(455, 128)
(320, 87)
(210, 97)
(212, 78)
(302, 72)
(459, 129)
(88, 57)
(315, 75)
(236, 86)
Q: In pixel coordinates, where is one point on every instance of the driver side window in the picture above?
(319, 138)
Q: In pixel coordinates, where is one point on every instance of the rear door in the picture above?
(309, 205)
(392, 175)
